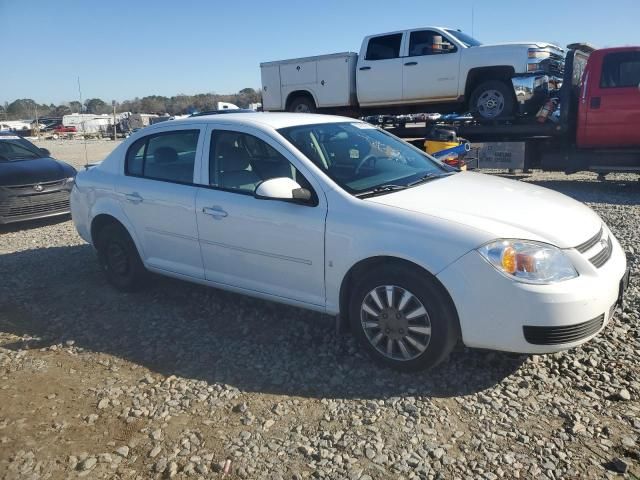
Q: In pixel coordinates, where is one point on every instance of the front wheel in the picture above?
(493, 100)
(402, 318)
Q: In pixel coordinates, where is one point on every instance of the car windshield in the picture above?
(363, 159)
(16, 148)
(467, 40)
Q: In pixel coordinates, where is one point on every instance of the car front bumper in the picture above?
(22, 203)
(498, 313)
(532, 90)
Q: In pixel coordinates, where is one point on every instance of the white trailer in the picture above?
(88, 123)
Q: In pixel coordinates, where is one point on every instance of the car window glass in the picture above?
(384, 47)
(13, 150)
(239, 161)
(165, 156)
(359, 156)
(135, 157)
(621, 70)
(428, 42)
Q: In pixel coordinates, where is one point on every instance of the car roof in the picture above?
(275, 120)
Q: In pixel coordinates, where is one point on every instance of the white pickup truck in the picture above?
(426, 69)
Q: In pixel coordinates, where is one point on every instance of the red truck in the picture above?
(596, 125)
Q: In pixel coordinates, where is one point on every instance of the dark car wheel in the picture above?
(493, 100)
(302, 104)
(402, 318)
(119, 258)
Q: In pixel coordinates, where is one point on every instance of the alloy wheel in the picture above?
(490, 104)
(395, 322)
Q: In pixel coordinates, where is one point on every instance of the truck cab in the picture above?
(609, 99)
(436, 66)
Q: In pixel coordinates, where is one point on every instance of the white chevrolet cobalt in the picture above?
(338, 216)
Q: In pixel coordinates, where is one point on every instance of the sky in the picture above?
(121, 49)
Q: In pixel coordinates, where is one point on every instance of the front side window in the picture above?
(384, 47)
(240, 161)
(428, 42)
(621, 70)
(168, 156)
(362, 158)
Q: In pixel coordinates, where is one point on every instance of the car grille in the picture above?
(603, 253)
(559, 335)
(34, 204)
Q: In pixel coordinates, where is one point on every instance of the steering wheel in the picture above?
(362, 162)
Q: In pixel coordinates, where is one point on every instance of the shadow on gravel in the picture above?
(49, 296)
(31, 224)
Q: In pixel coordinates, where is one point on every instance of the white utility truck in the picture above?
(418, 70)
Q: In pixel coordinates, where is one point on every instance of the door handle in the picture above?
(215, 212)
(133, 197)
(595, 102)
(365, 68)
(410, 64)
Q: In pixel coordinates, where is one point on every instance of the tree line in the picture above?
(26, 108)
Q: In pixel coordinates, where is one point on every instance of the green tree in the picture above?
(75, 106)
(96, 106)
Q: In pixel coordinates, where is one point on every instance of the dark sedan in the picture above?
(32, 184)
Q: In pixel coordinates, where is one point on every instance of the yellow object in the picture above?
(509, 260)
(433, 146)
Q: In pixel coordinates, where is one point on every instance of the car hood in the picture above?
(27, 172)
(521, 44)
(501, 207)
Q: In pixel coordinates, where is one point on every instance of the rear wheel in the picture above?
(402, 318)
(119, 258)
(302, 104)
(492, 100)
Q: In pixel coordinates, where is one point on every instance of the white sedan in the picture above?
(338, 216)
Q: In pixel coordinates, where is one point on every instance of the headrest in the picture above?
(231, 158)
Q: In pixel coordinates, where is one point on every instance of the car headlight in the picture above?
(529, 262)
(70, 181)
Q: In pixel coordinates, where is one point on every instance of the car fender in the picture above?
(106, 205)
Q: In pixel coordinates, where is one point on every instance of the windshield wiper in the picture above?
(380, 190)
(428, 177)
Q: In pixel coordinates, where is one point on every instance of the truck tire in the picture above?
(492, 100)
(302, 104)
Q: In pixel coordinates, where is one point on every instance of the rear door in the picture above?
(431, 67)
(379, 74)
(157, 194)
(613, 102)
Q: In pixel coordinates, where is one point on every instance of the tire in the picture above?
(119, 258)
(492, 100)
(437, 330)
(302, 104)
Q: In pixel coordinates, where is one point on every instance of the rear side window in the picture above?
(621, 70)
(168, 156)
(384, 47)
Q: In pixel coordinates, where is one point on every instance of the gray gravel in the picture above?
(182, 381)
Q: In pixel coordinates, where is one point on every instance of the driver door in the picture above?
(270, 247)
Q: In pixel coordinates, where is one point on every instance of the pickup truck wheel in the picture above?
(302, 104)
(400, 317)
(492, 100)
(119, 258)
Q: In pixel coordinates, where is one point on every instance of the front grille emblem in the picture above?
(38, 188)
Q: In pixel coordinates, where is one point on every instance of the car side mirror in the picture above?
(282, 188)
(45, 152)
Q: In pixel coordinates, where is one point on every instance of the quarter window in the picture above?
(168, 156)
(428, 42)
(621, 70)
(384, 47)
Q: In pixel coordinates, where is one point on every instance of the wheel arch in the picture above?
(300, 93)
(365, 265)
(476, 76)
(103, 217)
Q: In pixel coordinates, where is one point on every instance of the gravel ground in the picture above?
(183, 381)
